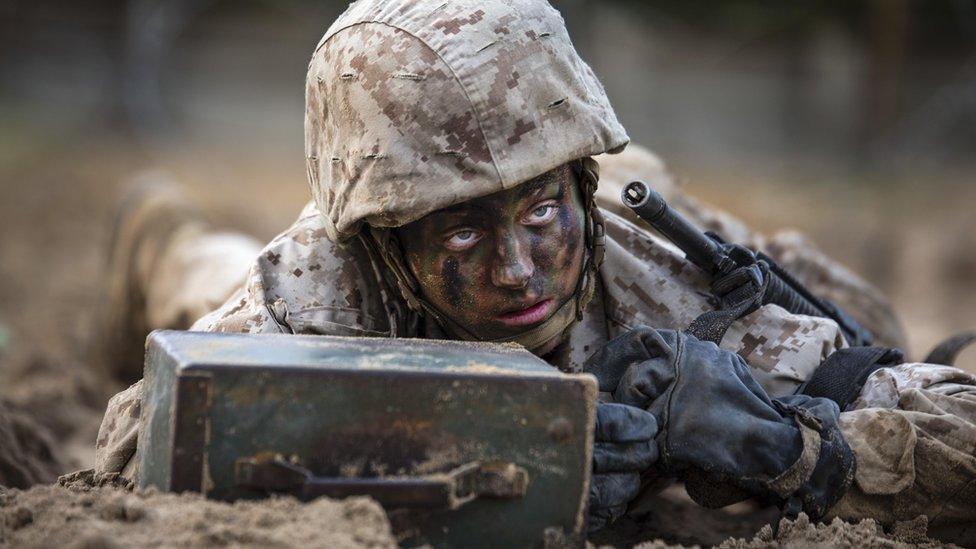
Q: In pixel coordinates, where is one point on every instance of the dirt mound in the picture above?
(27, 450)
(671, 517)
(80, 515)
(85, 511)
(866, 534)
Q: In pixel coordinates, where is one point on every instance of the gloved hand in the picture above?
(623, 448)
(742, 283)
(719, 431)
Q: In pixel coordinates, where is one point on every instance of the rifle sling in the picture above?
(750, 289)
(947, 351)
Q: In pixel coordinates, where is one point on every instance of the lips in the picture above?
(529, 315)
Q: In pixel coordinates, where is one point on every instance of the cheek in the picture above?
(432, 271)
(561, 245)
(452, 283)
(448, 281)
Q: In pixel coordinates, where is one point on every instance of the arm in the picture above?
(913, 431)
(300, 283)
(823, 275)
(719, 431)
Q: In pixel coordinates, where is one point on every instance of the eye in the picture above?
(462, 240)
(542, 213)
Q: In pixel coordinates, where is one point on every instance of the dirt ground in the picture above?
(78, 514)
(81, 514)
(54, 224)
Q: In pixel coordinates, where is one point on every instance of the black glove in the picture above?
(719, 431)
(746, 282)
(623, 448)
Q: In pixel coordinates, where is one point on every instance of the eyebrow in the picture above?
(527, 189)
(536, 186)
(461, 208)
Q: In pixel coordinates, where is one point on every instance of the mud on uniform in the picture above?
(913, 429)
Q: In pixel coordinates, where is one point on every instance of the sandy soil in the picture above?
(80, 514)
(866, 535)
(28, 453)
(95, 513)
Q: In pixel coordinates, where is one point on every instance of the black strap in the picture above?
(841, 377)
(947, 351)
(741, 293)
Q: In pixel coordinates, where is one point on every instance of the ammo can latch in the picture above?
(448, 490)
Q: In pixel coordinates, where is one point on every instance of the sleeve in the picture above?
(782, 349)
(647, 281)
(303, 283)
(116, 441)
(794, 252)
(245, 311)
(300, 283)
(913, 433)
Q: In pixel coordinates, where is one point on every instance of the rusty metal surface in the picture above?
(355, 353)
(346, 408)
(190, 435)
(442, 490)
(155, 451)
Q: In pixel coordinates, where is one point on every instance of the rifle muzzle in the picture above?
(651, 207)
(647, 203)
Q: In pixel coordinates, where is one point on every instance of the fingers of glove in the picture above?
(718, 371)
(622, 423)
(613, 489)
(823, 408)
(632, 456)
(609, 363)
(600, 518)
(643, 382)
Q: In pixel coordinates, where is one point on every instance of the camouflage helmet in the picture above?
(413, 106)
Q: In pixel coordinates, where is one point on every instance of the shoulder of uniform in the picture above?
(647, 280)
(306, 246)
(323, 285)
(640, 241)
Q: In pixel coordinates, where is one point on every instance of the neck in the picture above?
(546, 350)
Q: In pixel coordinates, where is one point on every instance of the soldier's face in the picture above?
(502, 264)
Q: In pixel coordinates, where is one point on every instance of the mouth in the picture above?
(529, 315)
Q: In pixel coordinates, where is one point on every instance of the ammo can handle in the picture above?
(448, 490)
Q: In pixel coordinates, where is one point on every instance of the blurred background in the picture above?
(853, 121)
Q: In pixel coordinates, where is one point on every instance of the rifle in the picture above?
(706, 251)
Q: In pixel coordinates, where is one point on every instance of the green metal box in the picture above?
(459, 441)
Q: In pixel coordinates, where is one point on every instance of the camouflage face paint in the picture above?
(501, 264)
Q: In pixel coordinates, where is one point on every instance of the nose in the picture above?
(513, 266)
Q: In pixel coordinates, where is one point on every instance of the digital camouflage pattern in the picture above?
(913, 429)
(429, 123)
(441, 120)
(913, 432)
(790, 249)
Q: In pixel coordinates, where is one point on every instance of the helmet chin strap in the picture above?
(384, 244)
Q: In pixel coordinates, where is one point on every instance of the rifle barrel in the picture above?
(651, 207)
(706, 254)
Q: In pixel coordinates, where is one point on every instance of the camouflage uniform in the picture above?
(913, 429)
